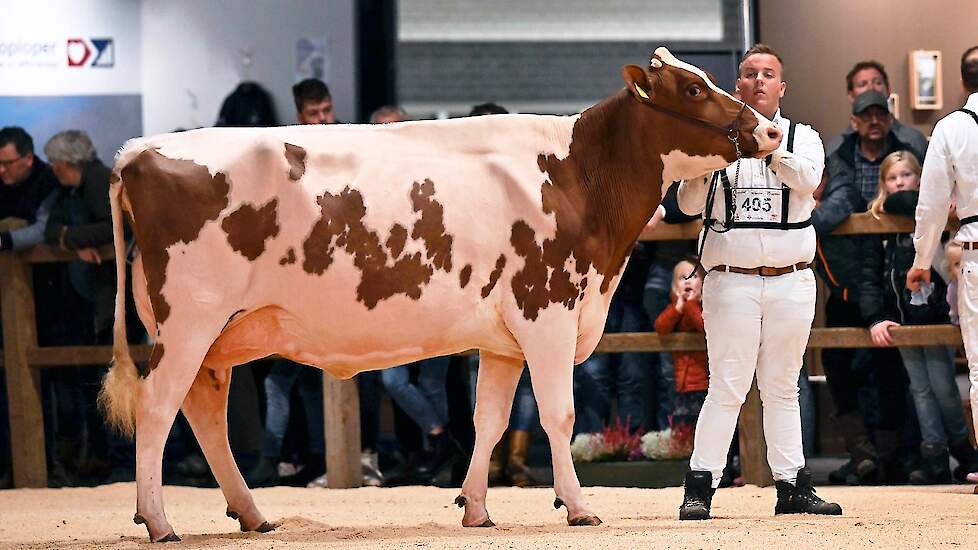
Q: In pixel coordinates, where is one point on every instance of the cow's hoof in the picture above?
(265, 527)
(584, 520)
(169, 537)
(484, 523)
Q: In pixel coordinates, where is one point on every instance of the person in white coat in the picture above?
(951, 170)
(758, 295)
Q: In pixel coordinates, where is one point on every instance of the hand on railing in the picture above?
(89, 255)
(880, 333)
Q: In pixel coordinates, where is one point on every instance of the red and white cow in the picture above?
(353, 248)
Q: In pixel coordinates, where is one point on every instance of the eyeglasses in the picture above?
(9, 163)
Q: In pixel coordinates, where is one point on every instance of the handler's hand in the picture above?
(89, 255)
(880, 333)
(660, 213)
(915, 276)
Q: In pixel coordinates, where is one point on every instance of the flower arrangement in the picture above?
(616, 443)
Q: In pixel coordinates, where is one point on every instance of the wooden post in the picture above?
(23, 382)
(753, 448)
(342, 413)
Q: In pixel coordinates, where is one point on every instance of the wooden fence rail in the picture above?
(23, 359)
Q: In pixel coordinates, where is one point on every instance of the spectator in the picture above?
(313, 105)
(884, 305)
(27, 191)
(388, 113)
(685, 314)
(870, 75)
(80, 221)
(313, 102)
(26, 194)
(852, 181)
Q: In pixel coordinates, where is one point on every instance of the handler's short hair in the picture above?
(761, 48)
(969, 69)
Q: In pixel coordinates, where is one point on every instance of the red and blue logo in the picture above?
(91, 52)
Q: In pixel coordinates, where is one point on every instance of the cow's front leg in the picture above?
(552, 372)
(498, 377)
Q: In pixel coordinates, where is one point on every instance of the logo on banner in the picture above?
(91, 52)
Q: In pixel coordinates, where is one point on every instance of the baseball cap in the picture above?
(867, 99)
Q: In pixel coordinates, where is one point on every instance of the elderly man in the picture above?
(951, 170)
(758, 296)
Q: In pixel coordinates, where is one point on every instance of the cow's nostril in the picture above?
(774, 133)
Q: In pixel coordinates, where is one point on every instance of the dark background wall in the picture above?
(820, 41)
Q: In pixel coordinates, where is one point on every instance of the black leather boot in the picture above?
(863, 467)
(967, 458)
(934, 466)
(698, 496)
(800, 498)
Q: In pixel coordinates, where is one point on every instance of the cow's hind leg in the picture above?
(206, 408)
(496, 386)
(552, 372)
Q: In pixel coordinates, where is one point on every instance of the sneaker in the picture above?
(800, 497)
(972, 477)
(372, 476)
(698, 496)
(318, 483)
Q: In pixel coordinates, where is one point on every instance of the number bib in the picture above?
(757, 204)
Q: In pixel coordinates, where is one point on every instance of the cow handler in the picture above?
(951, 170)
(758, 295)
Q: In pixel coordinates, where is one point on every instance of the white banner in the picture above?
(78, 47)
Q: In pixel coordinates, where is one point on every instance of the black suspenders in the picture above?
(969, 219)
(729, 205)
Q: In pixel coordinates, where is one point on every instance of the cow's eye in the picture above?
(694, 91)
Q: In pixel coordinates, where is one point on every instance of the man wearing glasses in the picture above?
(26, 193)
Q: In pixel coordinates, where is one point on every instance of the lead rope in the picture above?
(708, 222)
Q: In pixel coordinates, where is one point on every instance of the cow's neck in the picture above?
(612, 177)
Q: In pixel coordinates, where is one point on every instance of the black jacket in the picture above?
(22, 200)
(838, 257)
(886, 259)
(84, 216)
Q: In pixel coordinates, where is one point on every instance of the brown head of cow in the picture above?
(703, 127)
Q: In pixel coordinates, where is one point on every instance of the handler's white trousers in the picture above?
(968, 315)
(760, 324)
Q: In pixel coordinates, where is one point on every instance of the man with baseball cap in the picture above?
(852, 182)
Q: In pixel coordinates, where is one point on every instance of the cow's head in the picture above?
(710, 124)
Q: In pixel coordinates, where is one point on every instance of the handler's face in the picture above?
(760, 83)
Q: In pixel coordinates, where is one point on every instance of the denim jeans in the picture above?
(524, 415)
(278, 391)
(604, 376)
(935, 393)
(426, 403)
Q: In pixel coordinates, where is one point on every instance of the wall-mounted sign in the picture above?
(926, 86)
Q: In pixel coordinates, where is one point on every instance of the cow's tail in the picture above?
(121, 387)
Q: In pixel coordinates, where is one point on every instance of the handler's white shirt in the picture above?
(750, 247)
(951, 166)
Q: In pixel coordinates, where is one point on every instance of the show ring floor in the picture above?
(424, 517)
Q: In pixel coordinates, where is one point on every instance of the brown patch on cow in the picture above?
(171, 200)
(396, 240)
(494, 276)
(248, 228)
(154, 358)
(296, 157)
(341, 226)
(465, 275)
(289, 257)
(600, 196)
(431, 227)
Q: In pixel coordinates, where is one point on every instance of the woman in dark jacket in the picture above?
(885, 302)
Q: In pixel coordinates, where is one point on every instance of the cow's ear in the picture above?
(638, 83)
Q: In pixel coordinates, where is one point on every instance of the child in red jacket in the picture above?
(685, 314)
